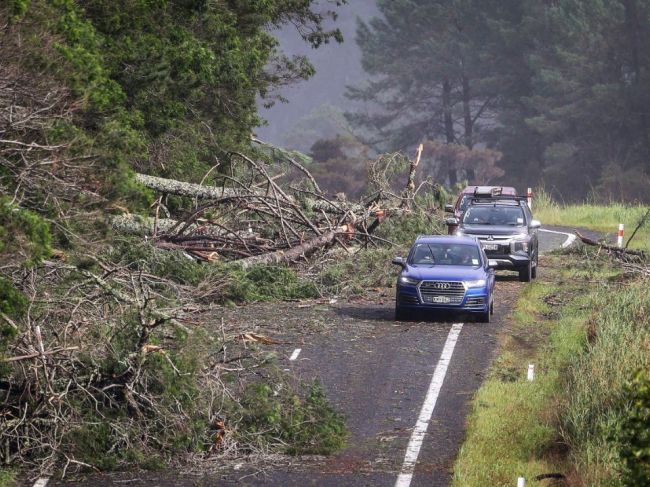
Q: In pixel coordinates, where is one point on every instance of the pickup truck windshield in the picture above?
(494, 215)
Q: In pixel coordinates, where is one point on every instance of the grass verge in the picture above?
(581, 326)
(598, 217)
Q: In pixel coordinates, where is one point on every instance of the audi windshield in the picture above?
(428, 254)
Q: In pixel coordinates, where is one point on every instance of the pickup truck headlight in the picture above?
(476, 283)
(521, 246)
(521, 242)
(409, 280)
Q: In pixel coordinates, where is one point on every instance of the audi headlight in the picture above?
(409, 280)
(476, 283)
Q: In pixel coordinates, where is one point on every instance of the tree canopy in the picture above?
(560, 88)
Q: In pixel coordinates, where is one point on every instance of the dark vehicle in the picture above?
(466, 195)
(507, 232)
(445, 273)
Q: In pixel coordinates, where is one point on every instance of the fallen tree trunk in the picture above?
(294, 253)
(144, 226)
(191, 190)
(611, 248)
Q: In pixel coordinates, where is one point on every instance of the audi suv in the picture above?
(445, 273)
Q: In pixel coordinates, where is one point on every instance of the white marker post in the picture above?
(529, 195)
(621, 232)
(521, 482)
(531, 372)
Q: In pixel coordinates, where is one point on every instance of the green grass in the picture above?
(598, 217)
(583, 330)
(510, 426)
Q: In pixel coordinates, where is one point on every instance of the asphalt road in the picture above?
(404, 387)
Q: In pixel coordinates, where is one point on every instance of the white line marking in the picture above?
(415, 443)
(42, 482)
(295, 354)
(570, 238)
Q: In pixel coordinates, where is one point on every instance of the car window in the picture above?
(494, 215)
(445, 254)
(464, 202)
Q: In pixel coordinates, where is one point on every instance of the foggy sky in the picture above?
(337, 65)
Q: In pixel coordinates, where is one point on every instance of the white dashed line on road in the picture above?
(295, 354)
(42, 482)
(570, 238)
(415, 443)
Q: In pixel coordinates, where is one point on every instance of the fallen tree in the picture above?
(180, 188)
(256, 216)
(620, 251)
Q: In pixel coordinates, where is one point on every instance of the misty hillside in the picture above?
(337, 66)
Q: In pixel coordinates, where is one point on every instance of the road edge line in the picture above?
(417, 437)
(295, 354)
(570, 238)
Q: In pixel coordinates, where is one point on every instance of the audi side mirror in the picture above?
(449, 208)
(535, 224)
(399, 261)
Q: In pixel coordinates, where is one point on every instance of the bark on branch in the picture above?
(293, 254)
(611, 248)
(191, 190)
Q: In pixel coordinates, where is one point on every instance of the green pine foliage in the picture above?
(23, 233)
(306, 423)
(24, 238)
(162, 86)
(560, 88)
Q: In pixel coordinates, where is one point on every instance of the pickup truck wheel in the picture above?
(492, 308)
(525, 274)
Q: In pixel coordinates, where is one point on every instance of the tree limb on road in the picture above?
(610, 248)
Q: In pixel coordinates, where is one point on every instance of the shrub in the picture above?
(634, 436)
(266, 283)
(306, 425)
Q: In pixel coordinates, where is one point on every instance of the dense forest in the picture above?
(559, 89)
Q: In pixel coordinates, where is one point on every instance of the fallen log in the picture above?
(611, 248)
(144, 226)
(294, 253)
(191, 190)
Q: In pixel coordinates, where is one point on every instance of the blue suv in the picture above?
(445, 273)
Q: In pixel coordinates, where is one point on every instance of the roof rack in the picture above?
(505, 199)
(488, 191)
